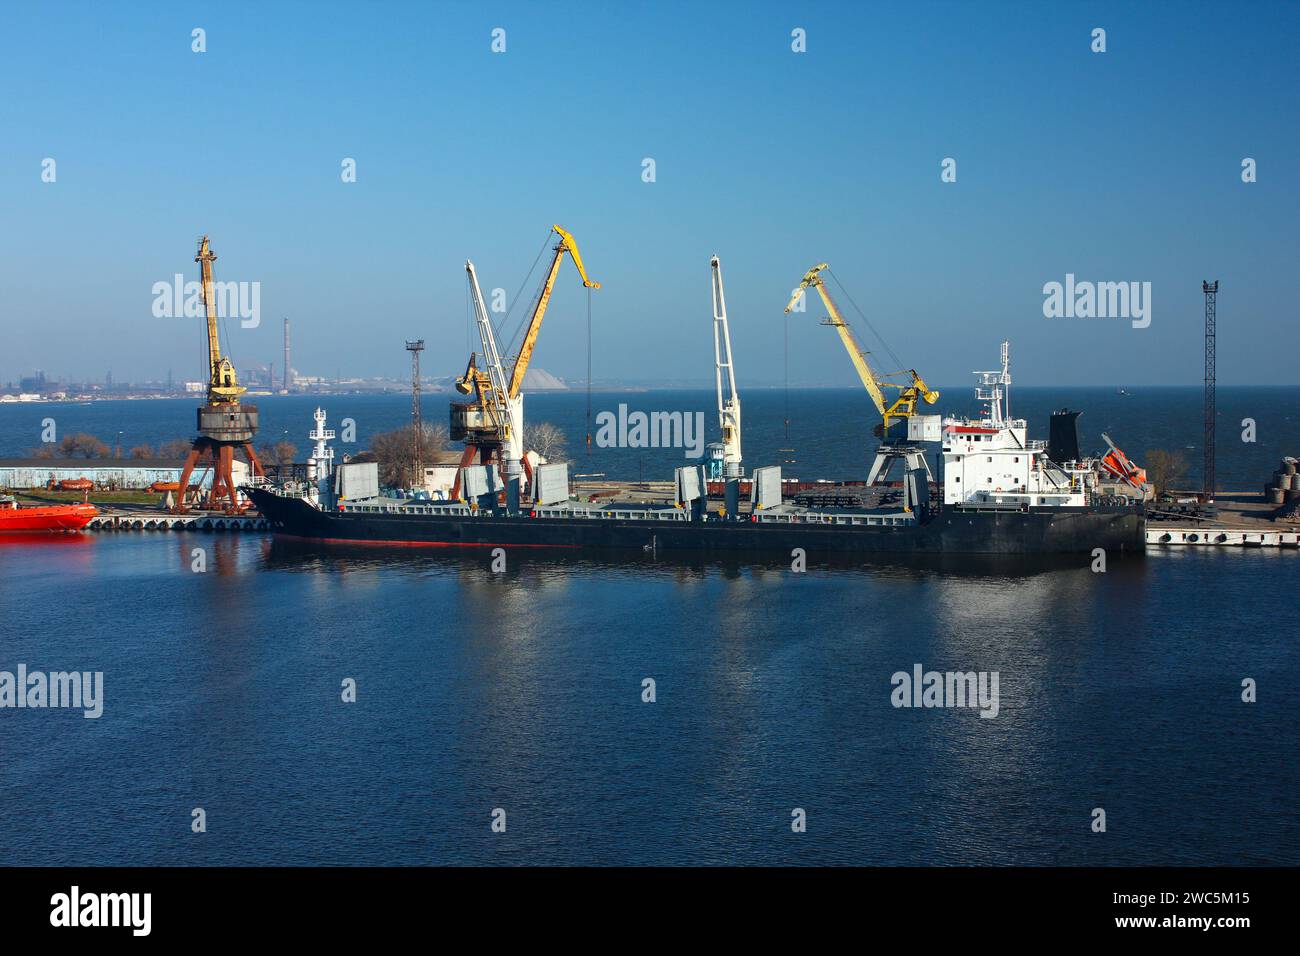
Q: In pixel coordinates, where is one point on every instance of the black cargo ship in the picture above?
(1000, 493)
(1116, 527)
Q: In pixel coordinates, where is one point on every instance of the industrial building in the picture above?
(440, 475)
(126, 474)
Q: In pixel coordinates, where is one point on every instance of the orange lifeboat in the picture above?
(49, 518)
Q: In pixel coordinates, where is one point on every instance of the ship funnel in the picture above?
(1063, 436)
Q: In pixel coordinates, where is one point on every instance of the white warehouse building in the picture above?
(115, 473)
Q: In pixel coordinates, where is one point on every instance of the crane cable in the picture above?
(589, 370)
(207, 351)
(880, 338)
(520, 291)
(787, 377)
(469, 320)
(229, 353)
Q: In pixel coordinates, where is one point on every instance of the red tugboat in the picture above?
(46, 518)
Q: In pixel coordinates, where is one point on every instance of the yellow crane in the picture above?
(223, 384)
(494, 421)
(902, 407)
(569, 245)
(225, 424)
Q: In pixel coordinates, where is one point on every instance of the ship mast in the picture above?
(995, 388)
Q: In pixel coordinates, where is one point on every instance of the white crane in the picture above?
(493, 423)
(507, 413)
(728, 399)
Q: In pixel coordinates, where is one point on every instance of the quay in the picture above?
(162, 521)
(1244, 521)
(1234, 537)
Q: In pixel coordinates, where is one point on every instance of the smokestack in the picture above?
(286, 357)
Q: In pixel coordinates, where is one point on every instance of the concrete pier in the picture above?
(154, 521)
(1221, 537)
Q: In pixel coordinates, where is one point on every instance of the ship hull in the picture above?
(54, 518)
(1046, 531)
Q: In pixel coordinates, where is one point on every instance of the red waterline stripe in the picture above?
(421, 544)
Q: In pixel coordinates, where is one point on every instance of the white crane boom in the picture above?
(728, 398)
(509, 412)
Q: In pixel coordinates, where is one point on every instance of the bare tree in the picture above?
(44, 450)
(142, 451)
(1164, 468)
(175, 448)
(282, 452)
(395, 452)
(82, 445)
(547, 440)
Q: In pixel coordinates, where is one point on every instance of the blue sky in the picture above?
(1122, 166)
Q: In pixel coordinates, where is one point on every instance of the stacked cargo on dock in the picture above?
(1284, 489)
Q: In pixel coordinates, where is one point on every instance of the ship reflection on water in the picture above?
(290, 554)
(524, 689)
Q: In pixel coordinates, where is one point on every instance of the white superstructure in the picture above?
(320, 466)
(989, 462)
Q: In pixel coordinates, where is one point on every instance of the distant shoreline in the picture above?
(7, 400)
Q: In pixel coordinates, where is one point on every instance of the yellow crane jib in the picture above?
(571, 246)
(567, 244)
(901, 407)
(223, 384)
(465, 384)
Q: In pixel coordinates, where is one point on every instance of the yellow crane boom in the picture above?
(569, 245)
(905, 404)
(223, 384)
